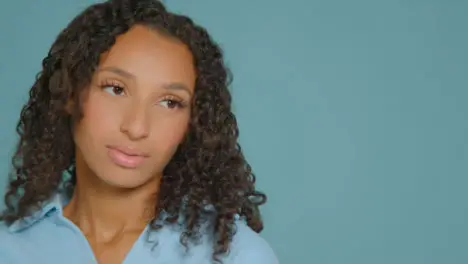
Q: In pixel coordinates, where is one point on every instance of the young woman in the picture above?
(128, 149)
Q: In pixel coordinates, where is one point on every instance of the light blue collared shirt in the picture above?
(47, 237)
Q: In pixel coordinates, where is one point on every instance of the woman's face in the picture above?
(137, 110)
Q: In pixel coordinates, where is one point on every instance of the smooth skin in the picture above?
(135, 114)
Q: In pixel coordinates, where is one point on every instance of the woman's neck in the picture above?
(105, 212)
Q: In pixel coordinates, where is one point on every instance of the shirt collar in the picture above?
(50, 206)
(58, 200)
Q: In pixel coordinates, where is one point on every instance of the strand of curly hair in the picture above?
(208, 168)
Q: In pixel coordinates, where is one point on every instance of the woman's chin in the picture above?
(124, 179)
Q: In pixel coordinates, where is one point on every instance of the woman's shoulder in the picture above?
(246, 247)
(5, 232)
(249, 247)
(10, 246)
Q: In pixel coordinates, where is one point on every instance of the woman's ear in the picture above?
(69, 106)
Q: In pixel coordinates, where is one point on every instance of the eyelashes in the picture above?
(112, 87)
(169, 101)
(172, 102)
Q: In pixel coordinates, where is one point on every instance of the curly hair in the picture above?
(208, 168)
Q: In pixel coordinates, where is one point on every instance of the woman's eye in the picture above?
(171, 104)
(114, 90)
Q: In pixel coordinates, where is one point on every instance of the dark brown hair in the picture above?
(208, 168)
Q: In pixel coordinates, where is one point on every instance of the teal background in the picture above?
(352, 113)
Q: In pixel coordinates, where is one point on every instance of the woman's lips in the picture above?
(126, 158)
